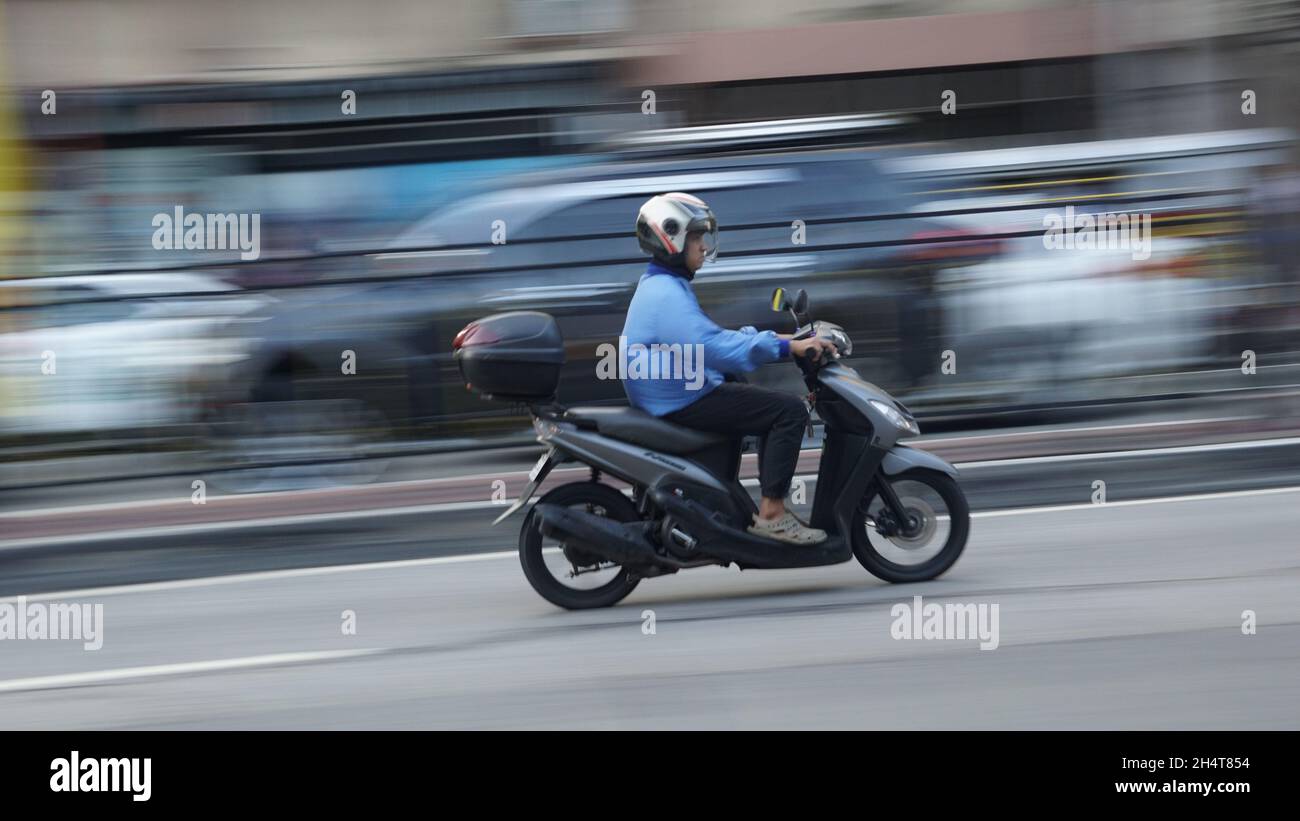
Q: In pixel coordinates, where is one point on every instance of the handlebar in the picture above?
(824, 330)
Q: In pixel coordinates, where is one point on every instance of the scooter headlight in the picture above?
(896, 416)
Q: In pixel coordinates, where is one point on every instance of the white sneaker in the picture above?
(786, 528)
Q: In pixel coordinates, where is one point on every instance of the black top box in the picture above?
(512, 357)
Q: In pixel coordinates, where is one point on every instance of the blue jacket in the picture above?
(664, 312)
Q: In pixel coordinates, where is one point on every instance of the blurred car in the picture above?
(570, 251)
(111, 352)
(1039, 326)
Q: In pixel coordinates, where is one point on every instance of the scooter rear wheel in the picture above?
(541, 561)
(941, 517)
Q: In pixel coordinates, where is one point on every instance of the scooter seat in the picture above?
(640, 428)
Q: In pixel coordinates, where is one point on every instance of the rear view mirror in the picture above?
(779, 302)
(801, 302)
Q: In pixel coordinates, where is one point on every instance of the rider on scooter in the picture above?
(681, 234)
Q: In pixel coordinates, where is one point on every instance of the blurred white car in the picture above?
(110, 352)
(1035, 324)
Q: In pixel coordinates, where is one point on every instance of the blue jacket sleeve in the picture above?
(730, 351)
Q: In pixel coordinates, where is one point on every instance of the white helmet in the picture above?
(664, 221)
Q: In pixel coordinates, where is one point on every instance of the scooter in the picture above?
(897, 509)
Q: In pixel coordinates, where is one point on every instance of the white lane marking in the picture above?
(262, 575)
(236, 524)
(515, 472)
(1093, 428)
(1194, 497)
(1125, 454)
(269, 575)
(178, 669)
(323, 493)
(451, 507)
(1212, 370)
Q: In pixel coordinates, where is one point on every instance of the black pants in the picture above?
(742, 409)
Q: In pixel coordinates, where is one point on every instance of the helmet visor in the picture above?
(710, 240)
(708, 234)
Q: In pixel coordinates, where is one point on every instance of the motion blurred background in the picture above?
(898, 160)
(920, 142)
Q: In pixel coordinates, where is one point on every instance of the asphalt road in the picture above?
(1122, 615)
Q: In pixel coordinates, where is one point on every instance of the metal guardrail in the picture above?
(1192, 389)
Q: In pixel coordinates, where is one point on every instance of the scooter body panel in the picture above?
(902, 457)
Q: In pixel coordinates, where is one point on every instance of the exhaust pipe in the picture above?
(623, 543)
(716, 538)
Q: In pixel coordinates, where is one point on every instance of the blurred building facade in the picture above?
(340, 124)
(817, 56)
(162, 101)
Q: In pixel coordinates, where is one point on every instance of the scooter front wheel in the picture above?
(927, 542)
(562, 573)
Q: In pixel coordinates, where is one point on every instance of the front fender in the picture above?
(901, 457)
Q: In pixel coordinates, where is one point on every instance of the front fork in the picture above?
(894, 519)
